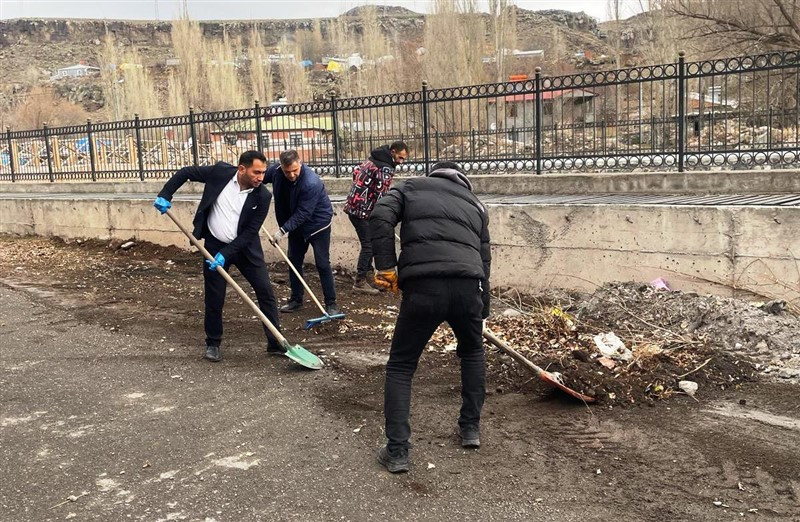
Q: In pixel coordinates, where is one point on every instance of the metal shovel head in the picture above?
(311, 323)
(302, 356)
(554, 379)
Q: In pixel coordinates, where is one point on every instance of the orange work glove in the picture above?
(387, 279)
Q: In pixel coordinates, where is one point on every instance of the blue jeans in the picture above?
(321, 244)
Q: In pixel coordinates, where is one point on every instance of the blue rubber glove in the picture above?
(162, 205)
(219, 260)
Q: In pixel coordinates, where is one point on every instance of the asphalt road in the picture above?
(131, 429)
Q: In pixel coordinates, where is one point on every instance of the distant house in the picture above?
(516, 53)
(558, 107)
(351, 63)
(75, 71)
(311, 137)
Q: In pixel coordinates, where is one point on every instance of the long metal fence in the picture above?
(738, 112)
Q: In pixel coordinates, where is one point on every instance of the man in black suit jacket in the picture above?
(229, 217)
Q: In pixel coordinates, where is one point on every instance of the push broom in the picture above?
(310, 323)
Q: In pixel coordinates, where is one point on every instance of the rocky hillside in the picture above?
(31, 50)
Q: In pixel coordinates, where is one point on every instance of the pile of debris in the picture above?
(629, 342)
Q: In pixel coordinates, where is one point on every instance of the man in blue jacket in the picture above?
(229, 217)
(304, 213)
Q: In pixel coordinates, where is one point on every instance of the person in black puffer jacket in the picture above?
(443, 271)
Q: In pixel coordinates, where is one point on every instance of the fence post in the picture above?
(537, 89)
(681, 108)
(425, 139)
(47, 152)
(259, 137)
(137, 126)
(193, 137)
(11, 155)
(472, 144)
(335, 122)
(91, 149)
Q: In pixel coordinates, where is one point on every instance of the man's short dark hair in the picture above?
(399, 146)
(446, 165)
(288, 157)
(248, 157)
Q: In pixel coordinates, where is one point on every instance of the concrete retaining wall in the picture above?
(715, 182)
(534, 246)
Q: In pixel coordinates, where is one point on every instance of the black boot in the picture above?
(361, 285)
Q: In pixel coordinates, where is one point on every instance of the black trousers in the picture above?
(364, 264)
(321, 244)
(426, 304)
(255, 271)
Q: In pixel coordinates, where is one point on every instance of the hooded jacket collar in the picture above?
(382, 157)
(453, 175)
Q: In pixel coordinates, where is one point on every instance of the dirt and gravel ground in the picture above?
(107, 410)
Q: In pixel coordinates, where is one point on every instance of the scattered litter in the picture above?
(431, 465)
(71, 498)
(127, 245)
(688, 387)
(607, 362)
(611, 346)
(660, 284)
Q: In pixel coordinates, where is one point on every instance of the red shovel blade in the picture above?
(552, 379)
(555, 382)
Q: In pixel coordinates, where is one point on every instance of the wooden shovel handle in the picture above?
(303, 281)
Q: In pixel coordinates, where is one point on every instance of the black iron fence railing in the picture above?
(739, 112)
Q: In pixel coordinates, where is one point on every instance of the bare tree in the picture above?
(293, 77)
(455, 42)
(224, 89)
(503, 21)
(260, 68)
(748, 25)
(41, 106)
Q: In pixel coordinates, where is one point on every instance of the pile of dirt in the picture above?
(767, 333)
(669, 336)
(556, 341)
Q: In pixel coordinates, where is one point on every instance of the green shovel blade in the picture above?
(302, 356)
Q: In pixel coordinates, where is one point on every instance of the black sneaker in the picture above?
(396, 464)
(213, 354)
(332, 309)
(291, 306)
(470, 437)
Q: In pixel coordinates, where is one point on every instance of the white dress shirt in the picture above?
(223, 221)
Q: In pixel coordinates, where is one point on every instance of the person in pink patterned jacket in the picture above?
(371, 180)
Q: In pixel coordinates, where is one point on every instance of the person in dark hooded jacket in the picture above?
(371, 180)
(303, 211)
(443, 271)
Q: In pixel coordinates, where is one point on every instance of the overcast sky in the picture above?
(263, 9)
